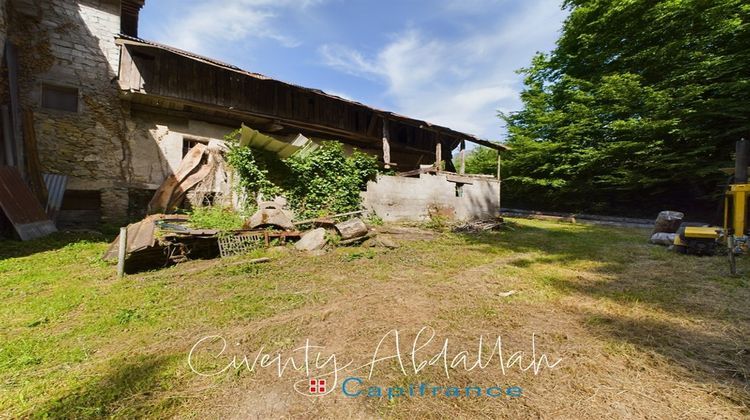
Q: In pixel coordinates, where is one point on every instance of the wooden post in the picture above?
(438, 153)
(499, 182)
(499, 164)
(386, 145)
(121, 248)
(11, 62)
(462, 158)
(7, 136)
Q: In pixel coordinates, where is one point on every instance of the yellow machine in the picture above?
(733, 236)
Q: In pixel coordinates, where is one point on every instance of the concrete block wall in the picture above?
(395, 198)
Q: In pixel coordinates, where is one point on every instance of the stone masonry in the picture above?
(102, 147)
(71, 44)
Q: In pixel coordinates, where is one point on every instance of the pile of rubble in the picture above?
(482, 225)
(665, 228)
(161, 240)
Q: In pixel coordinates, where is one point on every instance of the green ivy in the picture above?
(252, 172)
(325, 181)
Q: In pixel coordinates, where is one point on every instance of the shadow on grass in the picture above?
(10, 248)
(721, 357)
(635, 273)
(125, 391)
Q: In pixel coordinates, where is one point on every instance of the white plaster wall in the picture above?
(396, 198)
(156, 143)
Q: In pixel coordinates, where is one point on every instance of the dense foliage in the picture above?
(252, 169)
(481, 160)
(324, 181)
(327, 181)
(635, 110)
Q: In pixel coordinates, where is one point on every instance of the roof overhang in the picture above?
(453, 137)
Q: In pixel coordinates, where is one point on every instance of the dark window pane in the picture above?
(60, 98)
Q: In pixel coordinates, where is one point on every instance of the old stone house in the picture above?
(115, 113)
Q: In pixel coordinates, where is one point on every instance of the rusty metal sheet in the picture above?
(21, 207)
(142, 235)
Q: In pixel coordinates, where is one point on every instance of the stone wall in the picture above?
(3, 36)
(66, 43)
(395, 198)
(3, 29)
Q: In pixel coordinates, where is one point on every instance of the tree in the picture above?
(635, 110)
(481, 160)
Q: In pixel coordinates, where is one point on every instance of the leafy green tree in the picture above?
(481, 160)
(635, 110)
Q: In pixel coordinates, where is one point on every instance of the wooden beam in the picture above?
(438, 152)
(11, 61)
(499, 164)
(462, 158)
(386, 145)
(371, 127)
(242, 115)
(7, 136)
(33, 166)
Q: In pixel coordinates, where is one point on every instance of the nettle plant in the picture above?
(324, 181)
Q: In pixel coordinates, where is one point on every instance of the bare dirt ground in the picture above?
(641, 332)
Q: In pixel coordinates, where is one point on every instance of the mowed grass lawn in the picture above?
(642, 332)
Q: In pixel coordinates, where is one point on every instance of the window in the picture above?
(60, 98)
(188, 143)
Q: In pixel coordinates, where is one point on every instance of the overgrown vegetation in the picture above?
(215, 217)
(324, 181)
(635, 110)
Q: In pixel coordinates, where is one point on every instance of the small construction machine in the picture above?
(699, 239)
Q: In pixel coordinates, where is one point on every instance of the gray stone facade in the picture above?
(102, 146)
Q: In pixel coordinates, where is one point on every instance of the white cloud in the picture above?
(460, 82)
(214, 23)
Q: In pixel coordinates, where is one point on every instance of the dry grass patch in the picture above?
(642, 332)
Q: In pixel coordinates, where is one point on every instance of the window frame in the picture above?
(46, 86)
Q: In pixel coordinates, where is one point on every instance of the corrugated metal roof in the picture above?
(56, 185)
(284, 149)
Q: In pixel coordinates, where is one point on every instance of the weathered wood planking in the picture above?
(176, 76)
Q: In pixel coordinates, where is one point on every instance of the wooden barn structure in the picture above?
(158, 78)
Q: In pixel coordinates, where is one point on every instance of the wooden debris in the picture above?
(507, 294)
(353, 241)
(333, 216)
(33, 166)
(476, 226)
(163, 195)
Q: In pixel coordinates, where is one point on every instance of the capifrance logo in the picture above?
(354, 387)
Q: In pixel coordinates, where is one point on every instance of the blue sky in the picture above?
(448, 62)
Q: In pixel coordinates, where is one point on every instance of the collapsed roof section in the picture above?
(156, 75)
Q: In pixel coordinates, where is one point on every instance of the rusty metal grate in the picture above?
(240, 244)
